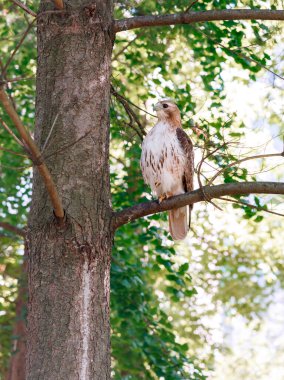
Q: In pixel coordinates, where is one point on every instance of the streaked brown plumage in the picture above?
(167, 163)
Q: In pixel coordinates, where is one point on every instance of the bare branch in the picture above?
(18, 79)
(199, 166)
(135, 129)
(198, 171)
(135, 105)
(234, 52)
(24, 7)
(58, 4)
(131, 114)
(17, 47)
(259, 208)
(16, 168)
(126, 46)
(11, 132)
(13, 152)
(11, 228)
(191, 5)
(243, 160)
(3, 80)
(67, 146)
(153, 207)
(35, 155)
(49, 134)
(140, 109)
(193, 17)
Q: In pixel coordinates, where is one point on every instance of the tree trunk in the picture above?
(17, 363)
(69, 267)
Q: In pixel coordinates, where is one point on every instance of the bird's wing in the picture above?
(187, 148)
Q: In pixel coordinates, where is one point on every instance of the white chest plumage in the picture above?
(163, 160)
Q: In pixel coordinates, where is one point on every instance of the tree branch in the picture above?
(11, 228)
(135, 105)
(126, 46)
(35, 155)
(258, 208)
(17, 47)
(24, 7)
(131, 114)
(58, 4)
(243, 160)
(153, 207)
(11, 132)
(13, 152)
(234, 52)
(193, 17)
(18, 79)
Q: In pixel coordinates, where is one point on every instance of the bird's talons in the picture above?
(162, 198)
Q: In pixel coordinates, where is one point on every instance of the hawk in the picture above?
(167, 163)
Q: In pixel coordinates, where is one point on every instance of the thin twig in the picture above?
(50, 132)
(140, 109)
(238, 53)
(191, 5)
(122, 50)
(3, 80)
(198, 170)
(199, 166)
(11, 132)
(16, 168)
(64, 147)
(17, 47)
(131, 114)
(13, 152)
(265, 170)
(257, 62)
(135, 129)
(11, 228)
(259, 208)
(35, 156)
(18, 79)
(135, 105)
(117, 159)
(243, 160)
(1, 65)
(24, 7)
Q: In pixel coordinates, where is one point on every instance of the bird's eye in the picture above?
(165, 105)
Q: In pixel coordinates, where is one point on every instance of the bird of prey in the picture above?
(167, 163)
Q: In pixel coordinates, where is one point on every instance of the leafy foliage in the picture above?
(144, 345)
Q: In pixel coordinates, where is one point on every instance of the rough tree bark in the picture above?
(17, 363)
(69, 267)
(194, 17)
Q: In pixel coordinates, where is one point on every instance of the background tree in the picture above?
(144, 341)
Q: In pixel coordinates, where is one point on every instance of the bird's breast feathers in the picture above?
(163, 160)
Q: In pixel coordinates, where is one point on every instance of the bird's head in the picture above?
(168, 111)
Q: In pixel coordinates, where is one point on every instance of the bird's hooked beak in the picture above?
(158, 106)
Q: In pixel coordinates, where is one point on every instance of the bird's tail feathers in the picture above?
(178, 222)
